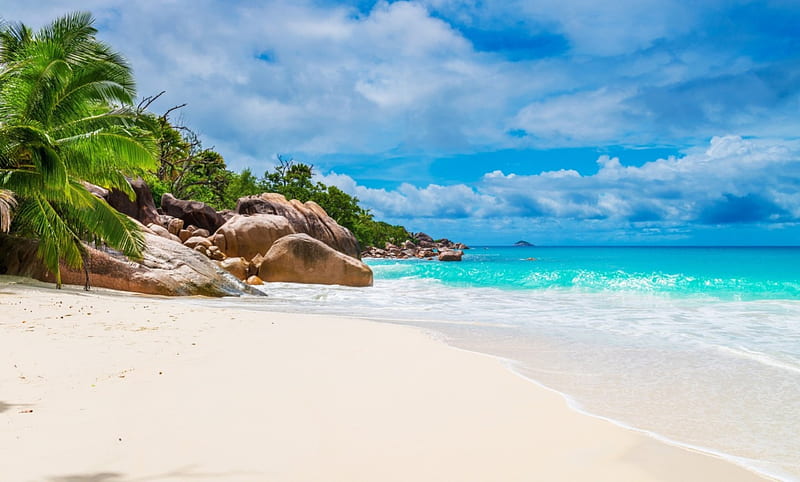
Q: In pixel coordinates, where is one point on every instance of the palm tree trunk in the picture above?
(85, 263)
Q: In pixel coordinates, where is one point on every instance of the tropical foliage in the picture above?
(189, 171)
(66, 118)
(185, 168)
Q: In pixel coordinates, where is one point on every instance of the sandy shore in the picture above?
(115, 388)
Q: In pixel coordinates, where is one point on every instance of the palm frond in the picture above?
(107, 224)
(38, 218)
(66, 116)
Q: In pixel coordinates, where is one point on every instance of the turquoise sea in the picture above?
(696, 346)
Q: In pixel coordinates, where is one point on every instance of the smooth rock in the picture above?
(141, 208)
(175, 226)
(307, 218)
(160, 230)
(238, 267)
(255, 280)
(450, 255)
(248, 236)
(195, 241)
(192, 212)
(167, 268)
(255, 264)
(299, 258)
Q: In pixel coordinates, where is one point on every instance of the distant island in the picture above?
(523, 244)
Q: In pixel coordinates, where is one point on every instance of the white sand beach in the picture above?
(105, 386)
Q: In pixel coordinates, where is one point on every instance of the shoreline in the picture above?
(360, 396)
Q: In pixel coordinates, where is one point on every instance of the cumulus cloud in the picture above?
(586, 116)
(314, 78)
(417, 80)
(407, 201)
(731, 181)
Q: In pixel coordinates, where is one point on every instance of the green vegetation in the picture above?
(294, 180)
(185, 168)
(189, 171)
(67, 117)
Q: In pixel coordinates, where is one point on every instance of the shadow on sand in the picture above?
(184, 473)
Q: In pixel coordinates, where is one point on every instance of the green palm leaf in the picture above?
(66, 118)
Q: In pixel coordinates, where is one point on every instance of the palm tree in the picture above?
(66, 118)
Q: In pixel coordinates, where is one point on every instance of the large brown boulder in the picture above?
(238, 267)
(142, 207)
(306, 217)
(167, 268)
(299, 258)
(192, 212)
(450, 255)
(248, 236)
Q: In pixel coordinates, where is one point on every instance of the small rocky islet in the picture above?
(420, 246)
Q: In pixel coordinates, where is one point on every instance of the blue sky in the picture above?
(488, 121)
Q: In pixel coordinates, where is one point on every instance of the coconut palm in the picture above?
(66, 118)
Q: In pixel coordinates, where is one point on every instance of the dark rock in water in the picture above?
(523, 244)
(167, 268)
(192, 212)
(425, 249)
(299, 258)
(306, 217)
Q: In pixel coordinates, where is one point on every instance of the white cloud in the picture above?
(402, 78)
(732, 181)
(408, 201)
(584, 116)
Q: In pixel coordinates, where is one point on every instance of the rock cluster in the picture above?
(191, 249)
(242, 242)
(308, 217)
(421, 246)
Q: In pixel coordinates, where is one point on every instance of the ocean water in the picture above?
(696, 346)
